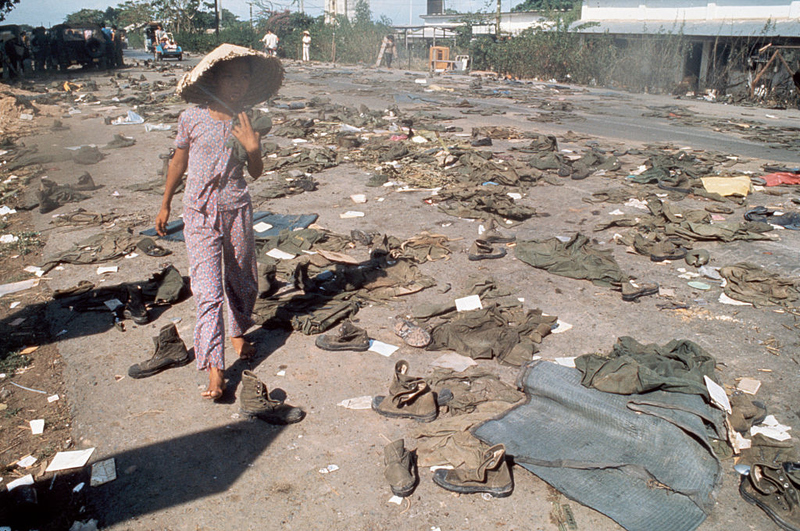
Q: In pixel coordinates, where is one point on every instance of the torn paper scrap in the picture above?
(103, 472)
(384, 349)
(566, 362)
(360, 402)
(13, 287)
(351, 214)
(726, 186)
(107, 269)
(261, 227)
(718, 395)
(748, 385)
(280, 255)
(456, 362)
(27, 461)
(67, 460)
(37, 426)
(472, 302)
(773, 429)
(26, 480)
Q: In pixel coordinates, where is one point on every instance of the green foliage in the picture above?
(356, 42)
(204, 42)
(134, 12)
(85, 16)
(6, 6)
(547, 5)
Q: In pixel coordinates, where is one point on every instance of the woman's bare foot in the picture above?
(243, 348)
(216, 384)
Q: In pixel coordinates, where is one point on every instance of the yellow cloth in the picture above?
(726, 186)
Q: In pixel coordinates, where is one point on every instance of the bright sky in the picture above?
(51, 12)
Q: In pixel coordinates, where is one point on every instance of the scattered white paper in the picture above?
(280, 255)
(740, 443)
(566, 362)
(6, 289)
(113, 304)
(616, 212)
(4, 210)
(53, 398)
(384, 349)
(456, 362)
(748, 385)
(261, 227)
(27, 461)
(514, 195)
(472, 302)
(351, 214)
(397, 500)
(328, 469)
(157, 127)
(131, 255)
(103, 472)
(724, 299)
(636, 203)
(561, 327)
(107, 269)
(360, 402)
(67, 460)
(718, 395)
(37, 426)
(8, 238)
(358, 198)
(281, 372)
(14, 304)
(25, 116)
(38, 271)
(26, 480)
(772, 428)
(421, 81)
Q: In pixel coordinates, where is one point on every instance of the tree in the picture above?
(134, 12)
(546, 5)
(85, 16)
(6, 6)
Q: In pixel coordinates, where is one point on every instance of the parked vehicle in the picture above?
(168, 48)
(83, 44)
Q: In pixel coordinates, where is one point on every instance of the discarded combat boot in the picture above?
(135, 308)
(85, 183)
(409, 397)
(770, 488)
(492, 475)
(254, 402)
(667, 250)
(492, 235)
(400, 470)
(350, 337)
(481, 142)
(483, 250)
(170, 352)
(632, 291)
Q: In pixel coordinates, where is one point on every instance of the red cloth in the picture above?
(776, 179)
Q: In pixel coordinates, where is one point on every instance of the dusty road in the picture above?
(185, 463)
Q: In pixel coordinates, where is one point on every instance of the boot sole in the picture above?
(376, 402)
(140, 320)
(499, 492)
(755, 501)
(340, 348)
(274, 420)
(151, 372)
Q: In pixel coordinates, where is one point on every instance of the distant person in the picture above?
(388, 49)
(40, 48)
(117, 38)
(306, 46)
(106, 31)
(270, 41)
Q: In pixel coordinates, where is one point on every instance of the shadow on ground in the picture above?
(149, 479)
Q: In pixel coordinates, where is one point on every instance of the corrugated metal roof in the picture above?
(747, 28)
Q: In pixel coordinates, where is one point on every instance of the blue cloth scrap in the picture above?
(279, 222)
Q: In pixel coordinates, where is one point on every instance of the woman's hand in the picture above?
(250, 140)
(161, 221)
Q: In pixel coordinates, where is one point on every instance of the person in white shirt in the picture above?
(306, 46)
(270, 41)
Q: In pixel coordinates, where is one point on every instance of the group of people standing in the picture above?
(271, 41)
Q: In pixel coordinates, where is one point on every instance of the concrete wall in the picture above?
(510, 23)
(688, 10)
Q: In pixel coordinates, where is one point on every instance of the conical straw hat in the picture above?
(267, 75)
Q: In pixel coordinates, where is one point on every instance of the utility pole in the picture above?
(216, 17)
(497, 21)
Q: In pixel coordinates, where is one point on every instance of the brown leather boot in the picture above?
(492, 475)
(400, 470)
(409, 397)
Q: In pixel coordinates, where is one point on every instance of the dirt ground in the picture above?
(186, 463)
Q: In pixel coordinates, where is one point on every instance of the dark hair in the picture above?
(390, 37)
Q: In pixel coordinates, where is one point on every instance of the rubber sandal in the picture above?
(413, 335)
